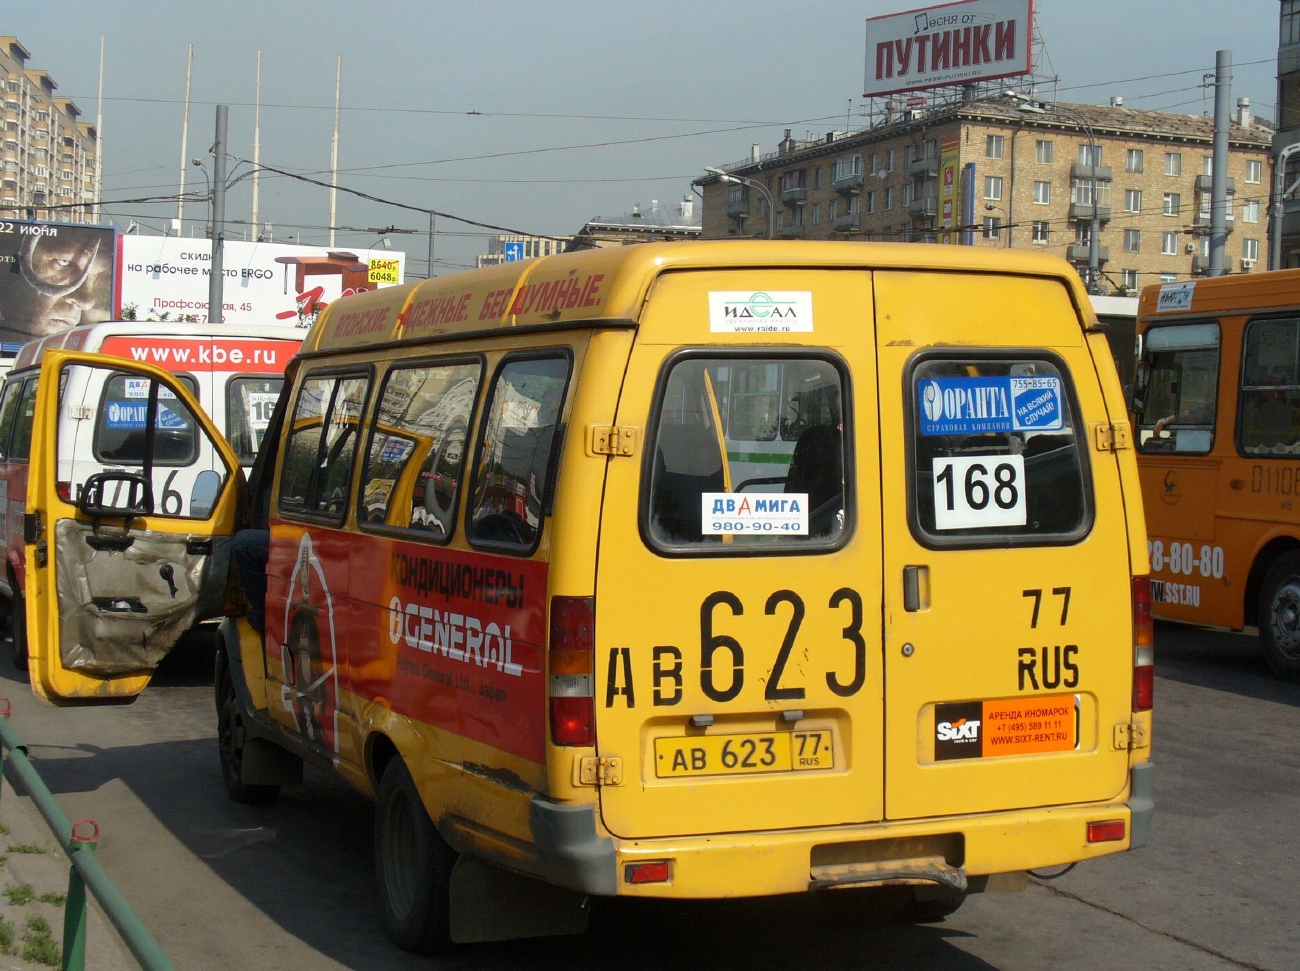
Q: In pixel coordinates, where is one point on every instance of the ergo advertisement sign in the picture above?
(956, 43)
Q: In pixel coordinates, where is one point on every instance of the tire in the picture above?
(931, 904)
(1279, 616)
(230, 745)
(18, 629)
(412, 867)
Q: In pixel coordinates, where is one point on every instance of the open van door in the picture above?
(131, 502)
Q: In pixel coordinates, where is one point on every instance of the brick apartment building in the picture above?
(47, 154)
(1034, 171)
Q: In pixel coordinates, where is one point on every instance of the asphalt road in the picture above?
(291, 886)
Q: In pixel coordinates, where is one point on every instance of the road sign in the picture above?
(514, 251)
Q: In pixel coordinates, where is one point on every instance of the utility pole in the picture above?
(185, 145)
(428, 275)
(1219, 174)
(334, 149)
(217, 279)
(257, 144)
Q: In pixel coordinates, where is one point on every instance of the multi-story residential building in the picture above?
(656, 224)
(1033, 169)
(507, 247)
(1287, 233)
(47, 154)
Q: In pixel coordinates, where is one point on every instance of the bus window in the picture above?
(1177, 389)
(1270, 388)
(249, 403)
(8, 409)
(120, 433)
(322, 444)
(20, 447)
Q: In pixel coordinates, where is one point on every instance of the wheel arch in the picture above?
(380, 751)
(1264, 559)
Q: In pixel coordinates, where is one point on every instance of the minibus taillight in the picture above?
(570, 662)
(1143, 646)
(64, 489)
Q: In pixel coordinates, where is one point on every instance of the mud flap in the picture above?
(489, 903)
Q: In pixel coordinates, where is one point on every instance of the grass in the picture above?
(19, 895)
(38, 944)
(25, 848)
(4, 830)
(57, 899)
(6, 937)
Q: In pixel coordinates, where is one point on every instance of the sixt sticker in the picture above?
(971, 406)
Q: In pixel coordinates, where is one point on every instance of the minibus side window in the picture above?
(120, 429)
(8, 410)
(414, 465)
(996, 453)
(748, 451)
(21, 447)
(513, 468)
(1270, 388)
(322, 445)
(1177, 403)
(249, 404)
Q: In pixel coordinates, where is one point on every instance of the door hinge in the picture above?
(600, 772)
(1111, 436)
(611, 440)
(1130, 736)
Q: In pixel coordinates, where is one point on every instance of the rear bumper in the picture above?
(573, 852)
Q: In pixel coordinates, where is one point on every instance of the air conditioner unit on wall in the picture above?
(1247, 263)
(1191, 247)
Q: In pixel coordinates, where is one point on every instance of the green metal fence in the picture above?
(78, 840)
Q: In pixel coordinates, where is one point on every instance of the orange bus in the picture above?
(1217, 418)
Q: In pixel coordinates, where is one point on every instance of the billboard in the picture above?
(265, 283)
(53, 276)
(956, 43)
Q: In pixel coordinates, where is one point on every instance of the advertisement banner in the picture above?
(955, 43)
(949, 150)
(265, 283)
(53, 276)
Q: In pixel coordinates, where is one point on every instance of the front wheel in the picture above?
(230, 742)
(1279, 616)
(412, 866)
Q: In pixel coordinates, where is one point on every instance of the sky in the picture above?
(536, 117)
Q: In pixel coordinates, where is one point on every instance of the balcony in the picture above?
(1082, 212)
(738, 208)
(924, 206)
(791, 232)
(1205, 183)
(848, 223)
(924, 168)
(1201, 264)
(850, 184)
(795, 195)
(1087, 173)
(1078, 253)
(1202, 222)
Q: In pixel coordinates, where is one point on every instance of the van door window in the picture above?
(747, 451)
(249, 404)
(322, 445)
(8, 411)
(20, 448)
(514, 466)
(1270, 388)
(996, 453)
(1177, 392)
(416, 456)
(120, 430)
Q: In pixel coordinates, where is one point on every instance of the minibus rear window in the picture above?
(996, 455)
(8, 409)
(748, 454)
(120, 433)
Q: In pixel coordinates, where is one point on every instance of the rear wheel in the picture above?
(1279, 616)
(412, 866)
(18, 628)
(230, 742)
(931, 904)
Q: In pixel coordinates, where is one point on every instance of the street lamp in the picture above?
(1094, 228)
(725, 176)
(990, 207)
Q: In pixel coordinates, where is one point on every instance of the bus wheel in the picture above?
(412, 866)
(931, 904)
(1279, 616)
(230, 744)
(18, 629)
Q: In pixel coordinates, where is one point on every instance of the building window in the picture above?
(1130, 280)
(1089, 154)
(931, 148)
(1169, 244)
(1250, 211)
(871, 164)
(889, 160)
(780, 220)
(993, 187)
(1290, 33)
(835, 209)
(1043, 151)
(1207, 165)
(1134, 161)
(1042, 193)
(1132, 241)
(1250, 249)
(1173, 203)
(870, 199)
(1254, 171)
(1132, 200)
(1173, 163)
(816, 213)
(848, 166)
(992, 227)
(1041, 228)
(1083, 233)
(993, 146)
(889, 197)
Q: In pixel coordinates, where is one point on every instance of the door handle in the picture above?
(916, 588)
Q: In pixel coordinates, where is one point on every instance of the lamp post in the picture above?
(1094, 228)
(725, 176)
(990, 207)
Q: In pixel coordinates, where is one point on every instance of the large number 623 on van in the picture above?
(694, 570)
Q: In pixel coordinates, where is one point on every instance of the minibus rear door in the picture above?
(131, 502)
